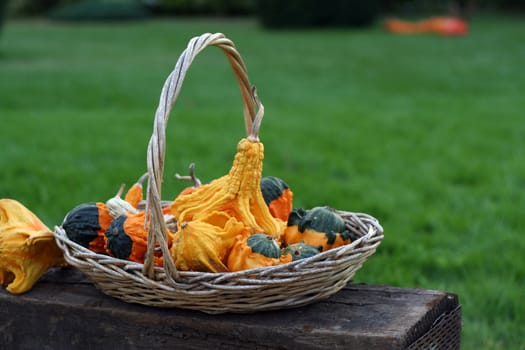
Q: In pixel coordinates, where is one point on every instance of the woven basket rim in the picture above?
(375, 234)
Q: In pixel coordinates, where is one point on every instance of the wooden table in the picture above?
(65, 311)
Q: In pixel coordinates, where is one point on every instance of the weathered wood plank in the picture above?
(65, 311)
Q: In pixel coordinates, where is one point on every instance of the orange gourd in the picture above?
(127, 238)
(135, 194)
(439, 25)
(277, 196)
(258, 250)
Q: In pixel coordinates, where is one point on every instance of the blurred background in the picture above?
(272, 13)
(410, 111)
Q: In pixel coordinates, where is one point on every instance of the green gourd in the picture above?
(86, 223)
(319, 226)
(265, 245)
(323, 219)
(301, 250)
(119, 244)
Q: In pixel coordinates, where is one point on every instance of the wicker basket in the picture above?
(284, 286)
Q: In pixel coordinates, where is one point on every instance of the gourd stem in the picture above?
(141, 179)
(120, 190)
(191, 177)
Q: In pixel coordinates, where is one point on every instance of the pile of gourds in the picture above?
(236, 228)
(236, 222)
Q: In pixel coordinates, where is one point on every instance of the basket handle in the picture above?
(157, 143)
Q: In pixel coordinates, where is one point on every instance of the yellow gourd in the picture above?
(230, 208)
(201, 246)
(27, 247)
(238, 193)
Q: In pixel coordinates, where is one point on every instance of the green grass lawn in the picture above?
(423, 132)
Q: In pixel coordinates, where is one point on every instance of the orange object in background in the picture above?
(448, 26)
